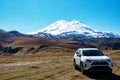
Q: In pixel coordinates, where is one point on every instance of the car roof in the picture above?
(88, 49)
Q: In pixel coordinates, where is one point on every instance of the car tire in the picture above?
(82, 69)
(75, 65)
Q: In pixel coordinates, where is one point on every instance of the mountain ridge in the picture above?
(60, 29)
(16, 43)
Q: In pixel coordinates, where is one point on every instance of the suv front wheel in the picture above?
(82, 69)
(75, 65)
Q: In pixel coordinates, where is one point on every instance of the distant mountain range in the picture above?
(59, 36)
(73, 29)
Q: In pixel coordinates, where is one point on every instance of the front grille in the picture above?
(100, 68)
(99, 63)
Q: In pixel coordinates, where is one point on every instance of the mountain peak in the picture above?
(75, 22)
(62, 26)
(80, 24)
(75, 27)
(61, 21)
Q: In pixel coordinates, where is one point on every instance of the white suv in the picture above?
(92, 59)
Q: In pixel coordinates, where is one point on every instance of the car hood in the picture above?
(96, 57)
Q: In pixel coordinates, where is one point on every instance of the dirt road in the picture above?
(56, 69)
(10, 66)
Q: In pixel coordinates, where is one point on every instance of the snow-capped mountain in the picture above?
(62, 28)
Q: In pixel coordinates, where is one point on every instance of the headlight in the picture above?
(87, 60)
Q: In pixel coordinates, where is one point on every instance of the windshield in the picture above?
(92, 53)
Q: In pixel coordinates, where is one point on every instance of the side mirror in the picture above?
(78, 55)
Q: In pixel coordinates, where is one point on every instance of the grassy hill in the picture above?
(59, 67)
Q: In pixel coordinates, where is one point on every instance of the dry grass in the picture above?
(53, 68)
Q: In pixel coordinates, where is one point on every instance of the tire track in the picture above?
(58, 75)
(58, 72)
(9, 66)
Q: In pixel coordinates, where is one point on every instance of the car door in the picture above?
(78, 57)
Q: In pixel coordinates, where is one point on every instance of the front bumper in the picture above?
(100, 69)
(98, 66)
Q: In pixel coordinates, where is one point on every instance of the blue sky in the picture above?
(30, 15)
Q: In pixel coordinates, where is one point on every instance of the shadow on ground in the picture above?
(103, 76)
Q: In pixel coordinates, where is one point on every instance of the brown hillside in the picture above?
(20, 45)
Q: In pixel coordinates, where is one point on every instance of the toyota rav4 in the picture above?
(92, 59)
